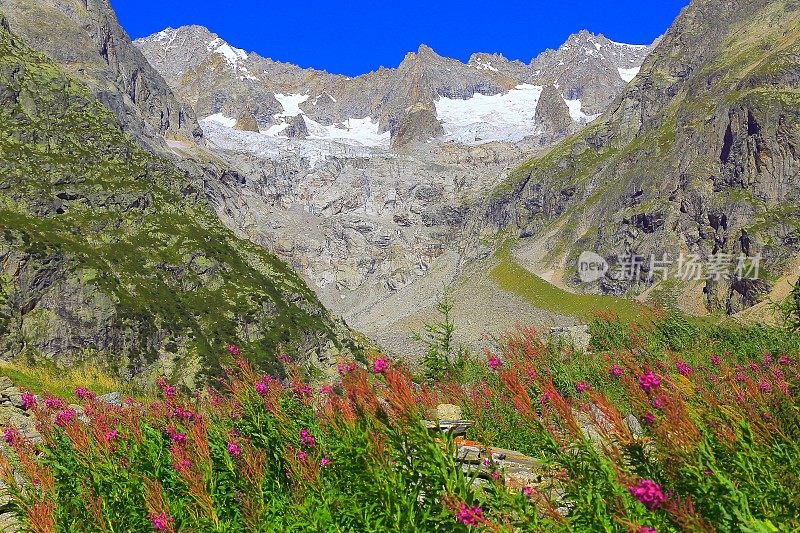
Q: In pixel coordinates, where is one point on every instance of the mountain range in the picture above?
(165, 196)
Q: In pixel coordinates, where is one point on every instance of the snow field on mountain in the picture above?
(482, 119)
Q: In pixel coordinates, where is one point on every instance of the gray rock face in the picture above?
(418, 123)
(85, 38)
(552, 113)
(296, 129)
(687, 159)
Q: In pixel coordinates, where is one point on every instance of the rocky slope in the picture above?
(85, 39)
(699, 155)
(108, 251)
(362, 183)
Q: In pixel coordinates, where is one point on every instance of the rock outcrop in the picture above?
(109, 251)
(85, 39)
(698, 156)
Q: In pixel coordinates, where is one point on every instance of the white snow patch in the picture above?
(637, 46)
(481, 119)
(269, 145)
(221, 119)
(597, 45)
(577, 113)
(232, 55)
(360, 131)
(484, 65)
(291, 104)
(627, 74)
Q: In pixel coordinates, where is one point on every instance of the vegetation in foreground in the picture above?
(714, 445)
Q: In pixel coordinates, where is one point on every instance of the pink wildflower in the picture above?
(169, 390)
(764, 386)
(494, 363)
(326, 389)
(658, 402)
(616, 371)
(54, 403)
(65, 417)
(110, 435)
(233, 350)
(683, 368)
(646, 529)
(302, 455)
(784, 360)
(716, 360)
(234, 449)
(649, 381)
(649, 418)
(324, 462)
(469, 516)
(581, 386)
(649, 493)
(10, 435)
(28, 400)
(82, 393)
(262, 388)
(307, 439)
(527, 491)
(184, 465)
(160, 522)
(380, 365)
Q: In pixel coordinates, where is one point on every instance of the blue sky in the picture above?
(359, 36)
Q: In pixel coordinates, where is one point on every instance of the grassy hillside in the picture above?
(106, 248)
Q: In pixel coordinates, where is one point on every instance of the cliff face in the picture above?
(85, 39)
(699, 155)
(108, 251)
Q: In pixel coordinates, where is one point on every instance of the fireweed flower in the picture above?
(469, 516)
(54, 403)
(581, 386)
(767, 360)
(494, 362)
(716, 360)
(234, 449)
(82, 393)
(380, 365)
(649, 493)
(683, 368)
(168, 390)
(307, 439)
(233, 350)
(646, 529)
(176, 436)
(658, 402)
(65, 417)
(649, 418)
(649, 381)
(616, 371)
(324, 461)
(740, 378)
(28, 400)
(110, 435)
(546, 397)
(527, 491)
(262, 388)
(10, 435)
(764, 386)
(784, 360)
(302, 455)
(160, 522)
(754, 367)
(326, 389)
(184, 465)
(302, 391)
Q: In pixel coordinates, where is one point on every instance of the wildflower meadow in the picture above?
(665, 426)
